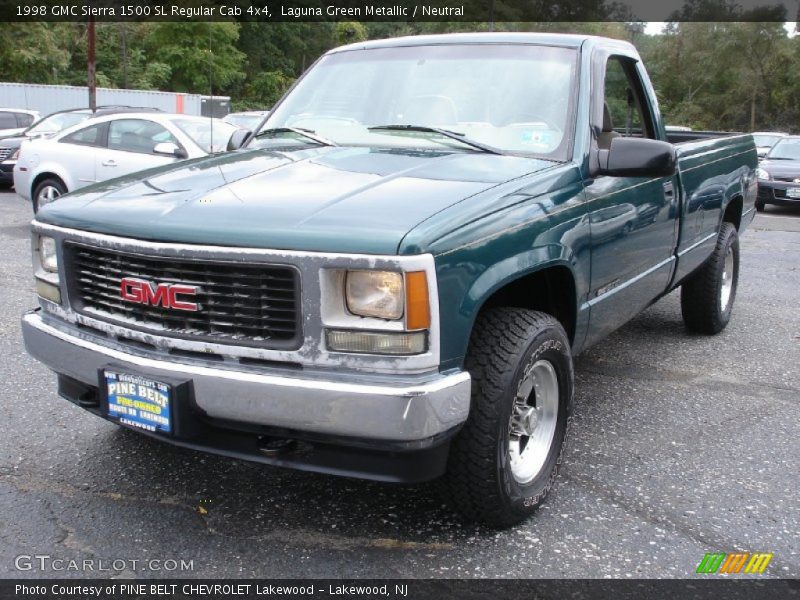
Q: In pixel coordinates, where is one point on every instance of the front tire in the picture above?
(46, 191)
(760, 205)
(707, 295)
(505, 459)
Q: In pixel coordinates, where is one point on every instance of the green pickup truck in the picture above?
(389, 278)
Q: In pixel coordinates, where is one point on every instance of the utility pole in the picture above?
(123, 34)
(92, 80)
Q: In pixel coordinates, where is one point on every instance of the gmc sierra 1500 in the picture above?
(391, 277)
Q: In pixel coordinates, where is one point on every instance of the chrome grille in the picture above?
(4, 153)
(242, 304)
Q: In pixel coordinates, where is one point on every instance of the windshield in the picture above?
(211, 135)
(248, 122)
(786, 149)
(766, 140)
(57, 122)
(514, 98)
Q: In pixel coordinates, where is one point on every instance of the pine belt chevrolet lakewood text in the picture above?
(390, 277)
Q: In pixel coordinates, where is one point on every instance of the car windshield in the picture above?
(766, 140)
(248, 122)
(490, 94)
(57, 122)
(786, 149)
(211, 135)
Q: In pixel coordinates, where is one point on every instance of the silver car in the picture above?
(111, 146)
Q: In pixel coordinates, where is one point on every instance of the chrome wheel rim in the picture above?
(532, 425)
(727, 280)
(47, 194)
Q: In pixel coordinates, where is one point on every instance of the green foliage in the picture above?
(710, 75)
(266, 89)
(348, 32)
(202, 57)
(33, 52)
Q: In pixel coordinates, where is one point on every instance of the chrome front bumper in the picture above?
(393, 408)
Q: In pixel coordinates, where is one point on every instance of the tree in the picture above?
(202, 57)
(33, 52)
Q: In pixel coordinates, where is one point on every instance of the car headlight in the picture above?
(763, 174)
(47, 254)
(14, 155)
(375, 294)
(372, 311)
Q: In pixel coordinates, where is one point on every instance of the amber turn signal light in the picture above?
(418, 311)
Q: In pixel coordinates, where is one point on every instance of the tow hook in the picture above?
(271, 446)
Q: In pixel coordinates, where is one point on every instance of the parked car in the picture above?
(384, 286)
(765, 140)
(248, 120)
(111, 146)
(15, 120)
(50, 125)
(779, 174)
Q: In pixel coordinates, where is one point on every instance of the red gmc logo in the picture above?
(155, 294)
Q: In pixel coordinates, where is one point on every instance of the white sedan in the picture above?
(111, 146)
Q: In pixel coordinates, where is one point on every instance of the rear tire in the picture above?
(46, 191)
(504, 461)
(707, 295)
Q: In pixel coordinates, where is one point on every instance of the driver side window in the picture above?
(623, 106)
(137, 135)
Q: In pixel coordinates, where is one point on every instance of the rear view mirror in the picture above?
(238, 138)
(637, 157)
(169, 149)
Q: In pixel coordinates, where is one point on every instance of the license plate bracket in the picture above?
(793, 192)
(138, 402)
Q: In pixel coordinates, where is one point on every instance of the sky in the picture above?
(655, 27)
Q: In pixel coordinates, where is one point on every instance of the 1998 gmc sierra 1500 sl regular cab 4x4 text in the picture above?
(390, 278)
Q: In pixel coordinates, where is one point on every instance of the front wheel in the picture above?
(504, 461)
(47, 191)
(707, 295)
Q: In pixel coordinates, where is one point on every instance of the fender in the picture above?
(52, 168)
(507, 271)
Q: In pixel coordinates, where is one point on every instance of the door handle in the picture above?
(109, 163)
(669, 190)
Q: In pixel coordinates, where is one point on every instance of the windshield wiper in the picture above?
(306, 133)
(453, 135)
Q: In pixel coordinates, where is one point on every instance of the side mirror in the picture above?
(637, 157)
(238, 138)
(169, 149)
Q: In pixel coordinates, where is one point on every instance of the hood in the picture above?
(334, 199)
(781, 168)
(13, 141)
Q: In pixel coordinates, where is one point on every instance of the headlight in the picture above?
(47, 254)
(375, 294)
(14, 155)
(763, 174)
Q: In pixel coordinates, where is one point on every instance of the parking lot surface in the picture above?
(681, 445)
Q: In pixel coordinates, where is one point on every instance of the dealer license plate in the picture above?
(793, 192)
(139, 402)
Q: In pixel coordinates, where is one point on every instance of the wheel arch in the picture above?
(732, 213)
(47, 174)
(542, 279)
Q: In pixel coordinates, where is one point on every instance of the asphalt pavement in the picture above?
(681, 445)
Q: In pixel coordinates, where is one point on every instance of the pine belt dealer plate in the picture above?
(139, 402)
(793, 192)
